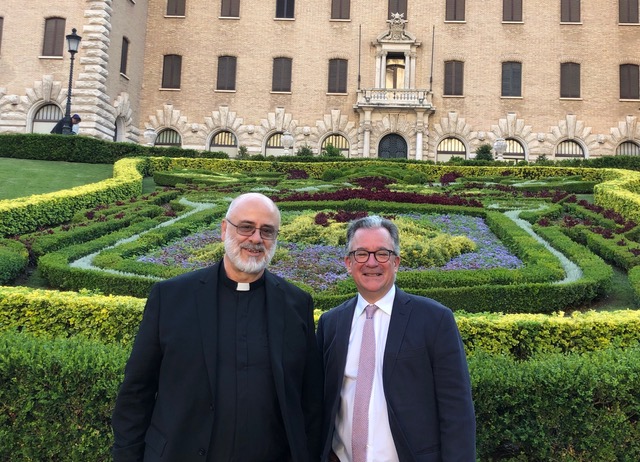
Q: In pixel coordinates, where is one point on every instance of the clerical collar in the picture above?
(239, 286)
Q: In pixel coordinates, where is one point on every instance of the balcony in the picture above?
(394, 98)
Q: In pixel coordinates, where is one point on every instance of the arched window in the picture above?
(169, 137)
(569, 149)
(337, 141)
(450, 147)
(628, 148)
(274, 145)
(46, 117)
(224, 141)
(514, 151)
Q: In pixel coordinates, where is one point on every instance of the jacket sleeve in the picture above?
(313, 390)
(453, 391)
(136, 398)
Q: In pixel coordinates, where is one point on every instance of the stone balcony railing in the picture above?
(394, 98)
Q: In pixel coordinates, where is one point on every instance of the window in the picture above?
(171, 71)
(398, 6)
(175, 7)
(628, 11)
(340, 9)
(168, 137)
(394, 75)
(230, 9)
(453, 77)
(284, 8)
(511, 79)
(629, 82)
(570, 149)
(338, 142)
(1, 27)
(124, 54)
(226, 73)
(569, 80)
(628, 148)
(512, 10)
(281, 74)
(454, 10)
(450, 147)
(514, 151)
(570, 11)
(224, 141)
(46, 118)
(337, 76)
(53, 37)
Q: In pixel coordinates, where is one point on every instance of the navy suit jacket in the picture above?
(164, 410)
(425, 378)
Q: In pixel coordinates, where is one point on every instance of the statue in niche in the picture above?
(396, 27)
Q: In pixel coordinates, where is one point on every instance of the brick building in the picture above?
(424, 79)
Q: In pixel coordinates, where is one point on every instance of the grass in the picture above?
(22, 177)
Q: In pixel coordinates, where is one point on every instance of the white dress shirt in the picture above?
(381, 447)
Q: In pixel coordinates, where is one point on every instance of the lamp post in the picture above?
(73, 43)
(500, 146)
(287, 142)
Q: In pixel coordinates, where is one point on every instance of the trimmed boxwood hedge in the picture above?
(550, 407)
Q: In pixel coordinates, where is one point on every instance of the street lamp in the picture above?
(73, 43)
(287, 142)
(499, 146)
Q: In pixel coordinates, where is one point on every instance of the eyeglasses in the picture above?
(381, 256)
(266, 232)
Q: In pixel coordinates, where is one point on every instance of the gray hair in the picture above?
(373, 222)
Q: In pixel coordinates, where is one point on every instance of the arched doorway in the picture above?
(392, 146)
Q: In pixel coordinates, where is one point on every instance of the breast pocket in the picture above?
(412, 352)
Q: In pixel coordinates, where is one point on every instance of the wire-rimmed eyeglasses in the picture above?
(266, 232)
(381, 256)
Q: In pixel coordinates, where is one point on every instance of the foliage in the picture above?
(330, 150)
(483, 152)
(304, 151)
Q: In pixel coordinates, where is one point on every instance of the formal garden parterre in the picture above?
(552, 380)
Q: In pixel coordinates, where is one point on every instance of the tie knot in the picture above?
(370, 309)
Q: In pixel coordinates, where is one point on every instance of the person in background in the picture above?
(225, 365)
(75, 127)
(397, 384)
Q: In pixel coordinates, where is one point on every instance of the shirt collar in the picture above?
(385, 303)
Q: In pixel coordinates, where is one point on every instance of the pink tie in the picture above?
(364, 383)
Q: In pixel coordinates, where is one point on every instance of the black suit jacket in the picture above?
(164, 410)
(425, 378)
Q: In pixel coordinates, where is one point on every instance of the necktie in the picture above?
(364, 383)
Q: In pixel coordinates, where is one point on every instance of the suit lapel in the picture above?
(207, 307)
(397, 327)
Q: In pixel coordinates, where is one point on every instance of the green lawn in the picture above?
(21, 177)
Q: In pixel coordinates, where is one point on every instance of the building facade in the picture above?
(423, 79)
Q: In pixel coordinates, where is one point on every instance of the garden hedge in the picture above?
(550, 407)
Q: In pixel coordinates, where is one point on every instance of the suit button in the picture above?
(202, 452)
(210, 407)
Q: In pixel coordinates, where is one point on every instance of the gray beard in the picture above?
(252, 265)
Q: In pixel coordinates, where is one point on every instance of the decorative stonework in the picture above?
(122, 107)
(397, 24)
(402, 124)
(627, 130)
(572, 129)
(223, 119)
(333, 123)
(278, 121)
(514, 128)
(452, 126)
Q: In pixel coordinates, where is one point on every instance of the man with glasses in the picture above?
(225, 366)
(397, 384)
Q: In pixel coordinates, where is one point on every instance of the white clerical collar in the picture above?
(243, 287)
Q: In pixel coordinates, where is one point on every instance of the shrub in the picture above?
(483, 152)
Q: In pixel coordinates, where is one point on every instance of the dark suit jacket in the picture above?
(425, 378)
(164, 409)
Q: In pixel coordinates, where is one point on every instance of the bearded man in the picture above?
(225, 366)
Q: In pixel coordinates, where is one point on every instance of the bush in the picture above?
(483, 152)
(304, 151)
